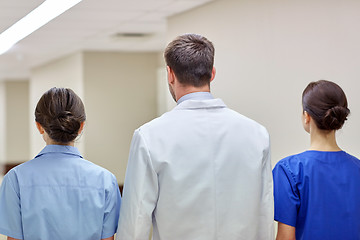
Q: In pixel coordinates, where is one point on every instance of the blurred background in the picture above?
(110, 53)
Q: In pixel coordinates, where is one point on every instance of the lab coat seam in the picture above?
(149, 162)
(147, 151)
(267, 151)
(136, 138)
(215, 199)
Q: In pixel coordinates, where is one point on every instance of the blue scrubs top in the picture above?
(318, 193)
(59, 195)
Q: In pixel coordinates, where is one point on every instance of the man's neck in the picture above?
(184, 90)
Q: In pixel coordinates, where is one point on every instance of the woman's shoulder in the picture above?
(93, 167)
(294, 159)
(354, 160)
(311, 157)
(295, 164)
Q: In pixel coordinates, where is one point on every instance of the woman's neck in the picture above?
(64, 144)
(323, 140)
(50, 141)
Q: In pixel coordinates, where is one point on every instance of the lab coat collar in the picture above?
(201, 104)
(60, 149)
(195, 96)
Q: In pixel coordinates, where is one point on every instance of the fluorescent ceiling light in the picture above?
(43, 14)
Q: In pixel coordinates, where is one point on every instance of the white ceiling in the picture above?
(90, 25)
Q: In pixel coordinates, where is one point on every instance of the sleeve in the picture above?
(112, 209)
(140, 193)
(266, 222)
(10, 207)
(286, 197)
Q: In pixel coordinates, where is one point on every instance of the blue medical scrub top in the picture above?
(59, 195)
(318, 193)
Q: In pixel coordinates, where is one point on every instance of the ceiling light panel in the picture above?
(44, 13)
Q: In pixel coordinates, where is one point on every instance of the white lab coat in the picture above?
(198, 172)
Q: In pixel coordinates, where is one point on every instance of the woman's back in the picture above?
(58, 195)
(61, 196)
(318, 193)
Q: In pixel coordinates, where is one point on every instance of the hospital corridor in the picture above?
(111, 54)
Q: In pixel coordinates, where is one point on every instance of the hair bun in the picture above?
(335, 117)
(64, 127)
(326, 103)
(64, 114)
(60, 112)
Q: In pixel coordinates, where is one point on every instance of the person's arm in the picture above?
(140, 192)
(10, 207)
(286, 200)
(110, 238)
(285, 232)
(112, 208)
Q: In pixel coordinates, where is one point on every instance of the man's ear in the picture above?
(40, 128)
(213, 73)
(170, 75)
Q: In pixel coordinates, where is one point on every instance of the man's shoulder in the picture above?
(156, 122)
(177, 117)
(240, 121)
(242, 117)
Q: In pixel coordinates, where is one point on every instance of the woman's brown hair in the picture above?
(326, 103)
(60, 112)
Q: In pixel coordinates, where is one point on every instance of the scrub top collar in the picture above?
(196, 96)
(60, 149)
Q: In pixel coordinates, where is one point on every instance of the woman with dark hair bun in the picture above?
(58, 194)
(317, 192)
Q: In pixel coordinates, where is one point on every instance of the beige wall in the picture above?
(17, 121)
(120, 95)
(165, 101)
(268, 51)
(65, 72)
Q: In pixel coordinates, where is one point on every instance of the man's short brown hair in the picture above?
(191, 57)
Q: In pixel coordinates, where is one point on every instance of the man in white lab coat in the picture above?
(200, 171)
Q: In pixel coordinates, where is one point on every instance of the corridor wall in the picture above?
(268, 51)
(119, 93)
